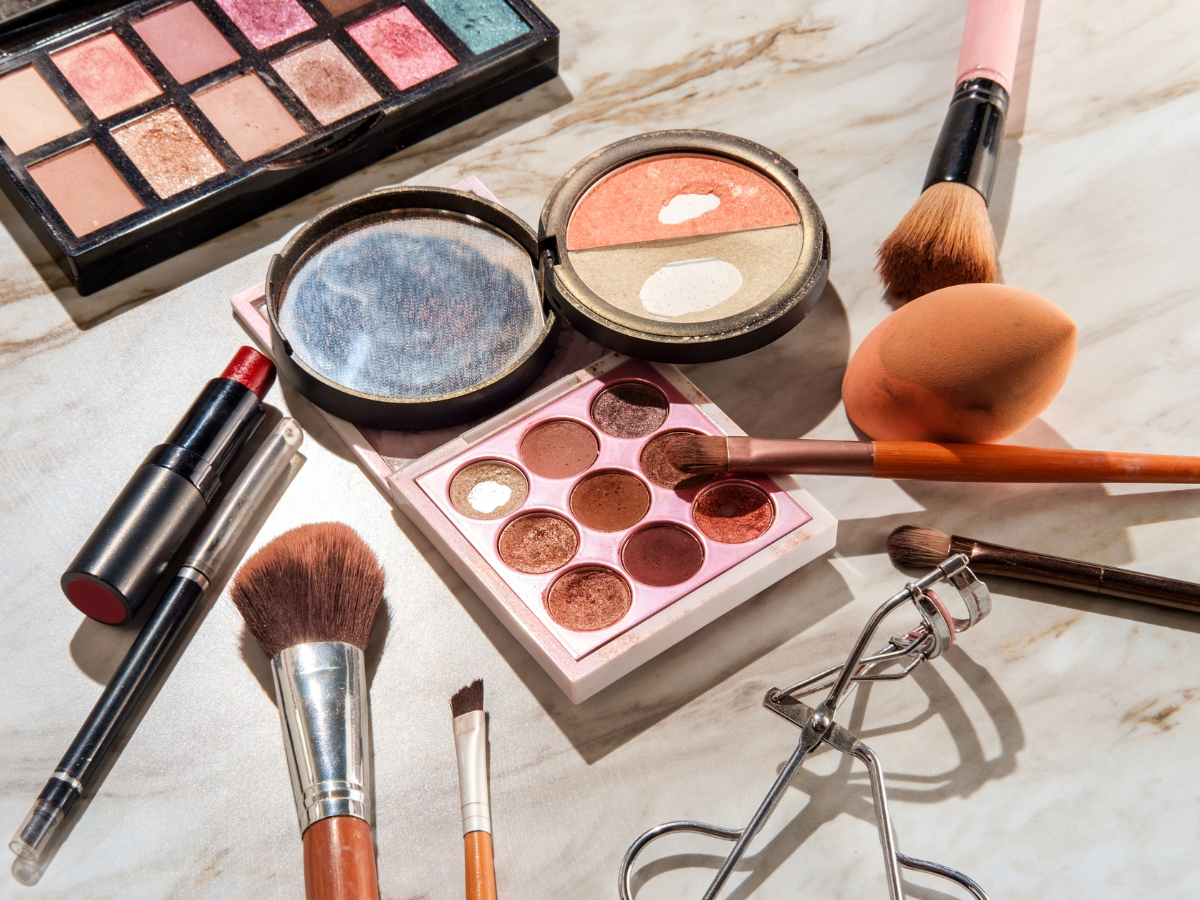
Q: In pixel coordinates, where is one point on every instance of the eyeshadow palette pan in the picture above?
(208, 112)
(595, 545)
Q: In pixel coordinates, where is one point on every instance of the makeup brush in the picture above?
(946, 238)
(922, 461)
(310, 598)
(470, 745)
(916, 547)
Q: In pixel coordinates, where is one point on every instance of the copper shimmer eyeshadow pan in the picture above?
(402, 47)
(733, 512)
(85, 189)
(537, 543)
(106, 74)
(185, 41)
(326, 82)
(267, 22)
(167, 150)
(248, 116)
(588, 598)
(31, 114)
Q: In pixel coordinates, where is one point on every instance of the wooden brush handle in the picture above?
(481, 871)
(339, 860)
(1000, 462)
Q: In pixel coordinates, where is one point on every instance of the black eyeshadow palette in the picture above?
(139, 132)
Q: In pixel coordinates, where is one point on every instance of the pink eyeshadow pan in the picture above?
(186, 42)
(248, 116)
(105, 74)
(326, 82)
(267, 22)
(85, 189)
(402, 47)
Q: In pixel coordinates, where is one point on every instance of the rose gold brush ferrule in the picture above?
(992, 559)
(747, 454)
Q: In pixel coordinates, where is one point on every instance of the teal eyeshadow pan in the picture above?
(480, 24)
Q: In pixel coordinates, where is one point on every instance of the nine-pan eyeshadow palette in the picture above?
(566, 517)
(175, 121)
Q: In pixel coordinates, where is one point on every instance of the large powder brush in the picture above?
(310, 598)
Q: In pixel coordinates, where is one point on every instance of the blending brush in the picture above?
(921, 461)
(470, 745)
(310, 598)
(946, 238)
(915, 547)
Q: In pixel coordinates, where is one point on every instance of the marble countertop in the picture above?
(1050, 753)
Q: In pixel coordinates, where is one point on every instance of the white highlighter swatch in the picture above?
(687, 206)
(689, 286)
(488, 496)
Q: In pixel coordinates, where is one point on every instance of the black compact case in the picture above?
(245, 189)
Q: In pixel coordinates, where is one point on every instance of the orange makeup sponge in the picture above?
(971, 363)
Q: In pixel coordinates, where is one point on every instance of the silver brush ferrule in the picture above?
(322, 692)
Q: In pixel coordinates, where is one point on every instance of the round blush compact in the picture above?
(683, 246)
(414, 308)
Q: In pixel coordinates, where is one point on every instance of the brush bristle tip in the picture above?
(467, 699)
(915, 546)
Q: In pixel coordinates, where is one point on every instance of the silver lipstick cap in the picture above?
(322, 692)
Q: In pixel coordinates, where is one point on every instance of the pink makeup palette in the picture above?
(189, 116)
(565, 516)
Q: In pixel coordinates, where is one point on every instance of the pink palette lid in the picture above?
(604, 548)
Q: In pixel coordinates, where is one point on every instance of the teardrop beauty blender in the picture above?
(972, 363)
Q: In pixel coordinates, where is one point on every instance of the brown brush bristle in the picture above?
(314, 583)
(699, 453)
(945, 239)
(917, 547)
(467, 699)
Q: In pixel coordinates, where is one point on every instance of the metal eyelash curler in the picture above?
(929, 640)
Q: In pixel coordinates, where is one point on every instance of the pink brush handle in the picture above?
(990, 40)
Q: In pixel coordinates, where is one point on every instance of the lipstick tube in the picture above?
(127, 554)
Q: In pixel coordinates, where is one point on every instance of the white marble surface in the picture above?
(1052, 753)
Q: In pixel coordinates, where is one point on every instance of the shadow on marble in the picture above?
(1000, 207)
(847, 789)
(804, 384)
(268, 228)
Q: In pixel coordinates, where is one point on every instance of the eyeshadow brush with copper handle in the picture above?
(913, 546)
(922, 461)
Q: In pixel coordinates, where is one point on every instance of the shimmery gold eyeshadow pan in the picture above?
(262, 100)
(608, 557)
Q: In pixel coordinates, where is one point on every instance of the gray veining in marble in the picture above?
(1052, 753)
